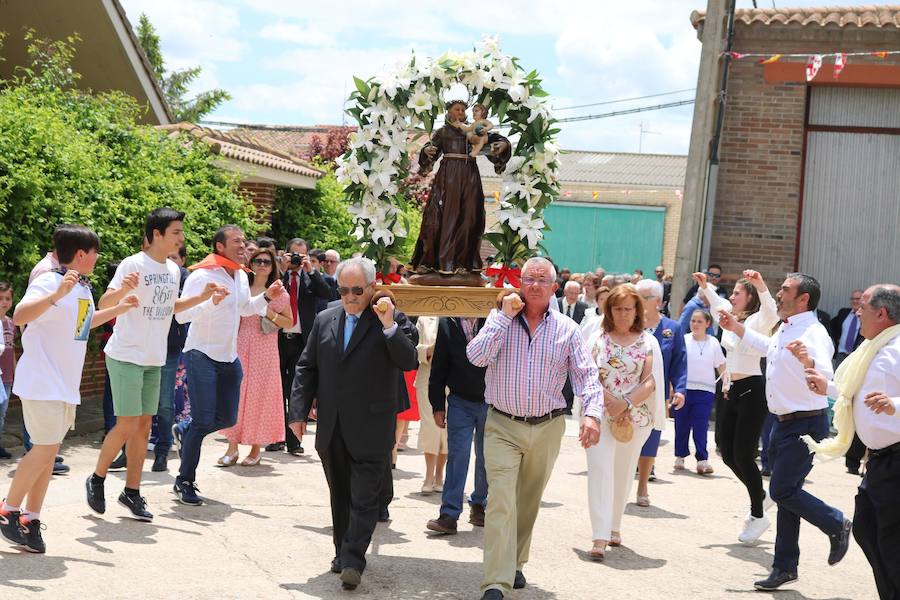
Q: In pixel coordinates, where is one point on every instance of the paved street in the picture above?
(265, 533)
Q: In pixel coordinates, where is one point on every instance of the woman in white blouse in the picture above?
(745, 407)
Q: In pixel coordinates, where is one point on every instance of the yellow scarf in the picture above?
(849, 378)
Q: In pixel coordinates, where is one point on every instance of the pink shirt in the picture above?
(526, 371)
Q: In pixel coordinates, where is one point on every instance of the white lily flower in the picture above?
(514, 164)
(489, 45)
(362, 138)
(352, 170)
(517, 92)
(420, 101)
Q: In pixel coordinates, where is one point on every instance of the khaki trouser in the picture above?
(519, 459)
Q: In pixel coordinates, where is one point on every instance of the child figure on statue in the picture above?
(476, 131)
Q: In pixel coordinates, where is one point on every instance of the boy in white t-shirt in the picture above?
(59, 310)
(136, 353)
(704, 360)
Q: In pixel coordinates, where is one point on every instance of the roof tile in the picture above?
(887, 15)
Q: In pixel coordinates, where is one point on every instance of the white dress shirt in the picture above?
(786, 387)
(742, 358)
(214, 328)
(878, 431)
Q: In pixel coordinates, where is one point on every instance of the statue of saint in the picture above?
(448, 249)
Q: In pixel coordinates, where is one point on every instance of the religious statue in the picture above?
(448, 249)
(477, 132)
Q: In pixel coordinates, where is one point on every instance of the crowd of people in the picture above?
(255, 342)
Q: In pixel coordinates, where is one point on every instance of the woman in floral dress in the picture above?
(630, 363)
(260, 419)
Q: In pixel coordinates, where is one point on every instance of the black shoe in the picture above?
(31, 534)
(4, 453)
(492, 594)
(840, 542)
(137, 504)
(766, 472)
(187, 492)
(652, 473)
(160, 463)
(9, 526)
(775, 580)
(60, 468)
(121, 462)
(58, 459)
(336, 565)
(443, 524)
(519, 582)
(275, 447)
(178, 438)
(350, 578)
(384, 515)
(95, 494)
(296, 451)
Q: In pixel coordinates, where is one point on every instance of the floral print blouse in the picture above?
(620, 370)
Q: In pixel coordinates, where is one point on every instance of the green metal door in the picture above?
(619, 238)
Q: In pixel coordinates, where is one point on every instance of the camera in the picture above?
(296, 259)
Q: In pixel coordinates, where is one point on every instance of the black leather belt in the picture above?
(532, 420)
(800, 414)
(892, 449)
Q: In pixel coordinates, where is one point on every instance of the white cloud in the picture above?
(297, 34)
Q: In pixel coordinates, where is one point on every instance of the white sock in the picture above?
(8, 508)
(29, 516)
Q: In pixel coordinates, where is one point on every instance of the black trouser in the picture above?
(876, 522)
(740, 424)
(356, 488)
(855, 454)
(569, 394)
(289, 351)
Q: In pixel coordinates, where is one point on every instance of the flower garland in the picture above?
(391, 105)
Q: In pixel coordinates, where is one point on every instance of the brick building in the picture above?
(809, 171)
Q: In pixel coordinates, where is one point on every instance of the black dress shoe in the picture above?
(492, 594)
(384, 515)
(275, 447)
(519, 582)
(121, 462)
(840, 542)
(350, 578)
(775, 580)
(295, 450)
(160, 463)
(336, 565)
(60, 468)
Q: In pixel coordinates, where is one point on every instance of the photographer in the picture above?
(305, 286)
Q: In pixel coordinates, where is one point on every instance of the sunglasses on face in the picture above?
(714, 275)
(261, 261)
(355, 290)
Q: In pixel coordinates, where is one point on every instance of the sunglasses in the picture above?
(355, 290)
(714, 275)
(261, 261)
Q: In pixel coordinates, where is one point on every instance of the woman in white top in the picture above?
(704, 359)
(630, 364)
(432, 439)
(745, 409)
(593, 315)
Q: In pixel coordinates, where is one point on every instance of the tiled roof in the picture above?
(289, 140)
(842, 16)
(239, 146)
(615, 168)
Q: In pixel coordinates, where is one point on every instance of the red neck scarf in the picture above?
(217, 260)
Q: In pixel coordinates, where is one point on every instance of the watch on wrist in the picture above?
(266, 297)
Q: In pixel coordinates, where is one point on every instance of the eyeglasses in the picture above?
(328, 260)
(355, 290)
(532, 281)
(261, 261)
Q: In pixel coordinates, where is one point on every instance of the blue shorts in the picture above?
(651, 446)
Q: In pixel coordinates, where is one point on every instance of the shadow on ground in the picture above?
(19, 566)
(622, 558)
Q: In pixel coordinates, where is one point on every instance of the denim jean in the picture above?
(766, 435)
(215, 393)
(166, 410)
(4, 404)
(465, 420)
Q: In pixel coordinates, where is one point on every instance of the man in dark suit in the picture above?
(305, 286)
(844, 330)
(569, 304)
(352, 364)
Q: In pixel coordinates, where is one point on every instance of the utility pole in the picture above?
(687, 255)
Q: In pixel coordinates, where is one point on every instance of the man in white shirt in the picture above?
(801, 342)
(876, 417)
(213, 368)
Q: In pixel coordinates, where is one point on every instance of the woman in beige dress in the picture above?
(432, 439)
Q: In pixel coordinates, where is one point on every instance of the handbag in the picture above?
(267, 325)
(622, 430)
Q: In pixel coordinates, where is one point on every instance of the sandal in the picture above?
(229, 460)
(643, 501)
(251, 461)
(615, 539)
(598, 550)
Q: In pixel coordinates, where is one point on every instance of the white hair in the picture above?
(334, 253)
(365, 266)
(651, 287)
(572, 284)
(540, 261)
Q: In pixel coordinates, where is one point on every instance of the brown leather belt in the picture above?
(800, 414)
(532, 420)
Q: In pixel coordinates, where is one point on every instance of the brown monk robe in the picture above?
(453, 218)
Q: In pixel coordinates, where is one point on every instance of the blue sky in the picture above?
(289, 62)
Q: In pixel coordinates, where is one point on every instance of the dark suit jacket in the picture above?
(578, 313)
(310, 287)
(450, 367)
(837, 325)
(357, 388)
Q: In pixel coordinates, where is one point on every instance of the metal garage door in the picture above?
(619, 238)
(850, 228)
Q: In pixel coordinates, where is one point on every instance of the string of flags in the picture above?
(595, 195)
(813, 61)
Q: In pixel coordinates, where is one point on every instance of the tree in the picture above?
(176, 84)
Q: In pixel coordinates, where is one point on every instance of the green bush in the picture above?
(72, 156)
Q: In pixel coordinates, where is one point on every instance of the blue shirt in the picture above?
(693, 304)
(670, 336)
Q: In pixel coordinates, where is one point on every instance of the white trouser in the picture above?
(611, 467)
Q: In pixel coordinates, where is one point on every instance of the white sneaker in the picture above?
(703, 467)
(754, 527)
(679, 463)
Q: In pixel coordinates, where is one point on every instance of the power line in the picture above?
(626, 112)
(625, 99)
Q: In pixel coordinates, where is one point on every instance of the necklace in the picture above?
(702, 345)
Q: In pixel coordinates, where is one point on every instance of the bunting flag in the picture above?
(881, 54)
(596, 195)
(771, 59)
(734, 55)
(839, 61)
(813, 64)
(567, 194)
(497, 196)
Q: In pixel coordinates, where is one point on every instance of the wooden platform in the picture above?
(443, 301)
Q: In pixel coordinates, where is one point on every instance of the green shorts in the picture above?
(135, 389)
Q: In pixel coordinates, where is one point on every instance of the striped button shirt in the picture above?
(526, 370)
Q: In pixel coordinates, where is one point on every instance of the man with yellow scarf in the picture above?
(867, 385)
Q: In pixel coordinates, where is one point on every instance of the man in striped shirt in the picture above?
(528, 350)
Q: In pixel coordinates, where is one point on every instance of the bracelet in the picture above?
(266, 298)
